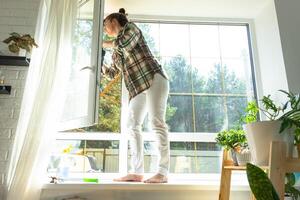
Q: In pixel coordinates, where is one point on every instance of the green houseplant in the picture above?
(260, 184)
(233, 140)
(291, 119)
(16, 42)
(262, 187)
(260, 133)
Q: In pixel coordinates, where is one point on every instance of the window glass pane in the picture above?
(209, 114)
(235, 109)
(204, 75)
(109, 112)
(109, 107)
(205, 41)
(234, 41)
(194, 157)
(174, 40)
(151, 35)
(234, 76)
(180, 118)
(185, 157)
(215, 80)
(179, 73)
(150, 157)
(77, 105)
(84, 156)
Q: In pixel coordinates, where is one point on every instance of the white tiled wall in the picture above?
(15, 16)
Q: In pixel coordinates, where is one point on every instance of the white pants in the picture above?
(153, 101)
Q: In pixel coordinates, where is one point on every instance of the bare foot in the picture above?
(157, 178)
(130, 178)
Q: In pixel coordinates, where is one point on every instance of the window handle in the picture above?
(92, 68)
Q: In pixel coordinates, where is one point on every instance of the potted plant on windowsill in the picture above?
(20, 44)
(260, 133)
(233, 140)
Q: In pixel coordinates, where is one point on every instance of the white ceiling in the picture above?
(189, 8)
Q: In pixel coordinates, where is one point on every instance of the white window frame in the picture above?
(173, 136)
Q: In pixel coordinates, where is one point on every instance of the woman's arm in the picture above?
(110, 71)
(128, 38)
(108, 44)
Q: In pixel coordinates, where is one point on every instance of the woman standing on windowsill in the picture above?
(148, 89)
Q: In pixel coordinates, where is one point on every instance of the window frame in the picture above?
(173, 136)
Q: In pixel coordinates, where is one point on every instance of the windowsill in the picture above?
(110, 185)
(238, 183)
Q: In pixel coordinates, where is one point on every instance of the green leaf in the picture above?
(14, 34)
(8, 40)
(260, 184)
(14, 48)
(291, 179)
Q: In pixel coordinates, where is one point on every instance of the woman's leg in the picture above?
(136, 115)
(157, 96)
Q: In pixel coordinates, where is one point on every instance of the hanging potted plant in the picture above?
(20, 44)
(260, 133)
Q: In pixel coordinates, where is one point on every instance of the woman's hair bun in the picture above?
(122, 10)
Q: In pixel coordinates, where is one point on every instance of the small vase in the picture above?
(243, 157)
(233, 156)
(22, 52)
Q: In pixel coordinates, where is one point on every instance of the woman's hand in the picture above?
(104, 68)
(107, 44)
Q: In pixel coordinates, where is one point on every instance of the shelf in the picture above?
(230, 167)
(14, 61)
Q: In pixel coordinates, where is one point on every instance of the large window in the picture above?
(211, 81)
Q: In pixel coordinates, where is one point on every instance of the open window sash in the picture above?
(81, 103)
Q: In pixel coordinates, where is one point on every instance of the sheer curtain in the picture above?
(43, 99)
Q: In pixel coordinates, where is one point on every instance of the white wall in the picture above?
(270, 68)
(19, 16)
(188, 8)
(10, 108)
(289, 26)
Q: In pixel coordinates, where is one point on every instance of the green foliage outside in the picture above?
(109, 109)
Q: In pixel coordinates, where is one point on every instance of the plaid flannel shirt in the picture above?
(133, 57)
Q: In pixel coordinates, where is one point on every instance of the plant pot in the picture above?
(22, 52)
(243, 157)
(288, 198)
(261, 134)
(234, 158)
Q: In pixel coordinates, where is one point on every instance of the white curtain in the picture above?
(43, 99)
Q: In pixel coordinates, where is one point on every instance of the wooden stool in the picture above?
(279, 165)
(227, 168)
